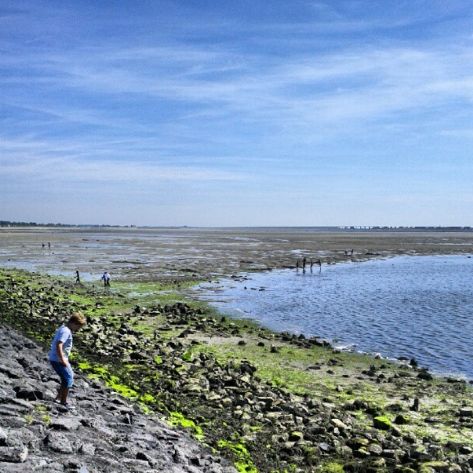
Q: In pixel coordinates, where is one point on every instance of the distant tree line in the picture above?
(407, 229)
(8, 223)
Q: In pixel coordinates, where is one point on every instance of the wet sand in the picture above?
(160, 253)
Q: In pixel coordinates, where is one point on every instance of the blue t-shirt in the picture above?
(64, 335)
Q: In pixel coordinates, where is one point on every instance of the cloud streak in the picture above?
(315, 88)
(68, 163)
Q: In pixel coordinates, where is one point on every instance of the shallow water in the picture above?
(419, 307)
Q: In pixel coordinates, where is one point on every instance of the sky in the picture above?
(237, 112)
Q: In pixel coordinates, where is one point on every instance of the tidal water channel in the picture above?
(418, 307)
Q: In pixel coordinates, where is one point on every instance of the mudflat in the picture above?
(159, 253)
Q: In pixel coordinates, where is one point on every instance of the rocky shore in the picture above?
(268, 402)
(104, 432)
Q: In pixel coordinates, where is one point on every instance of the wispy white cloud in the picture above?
(320, 87)
(70, 162)
(306, 99)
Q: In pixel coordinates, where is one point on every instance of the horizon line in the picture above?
(10, 224)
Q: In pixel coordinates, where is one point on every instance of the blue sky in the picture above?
(231, 113)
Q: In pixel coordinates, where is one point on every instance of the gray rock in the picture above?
(11, 373)
(375, 449)
(99, 424)
(6, 467)
(59, 443)
(87, 449)
(177, 456)
(12, 422)
(135, 464)
(65, 423)
(14, 440)
(339, 424)
(30, 435)
(466, 412)
(28, 392)
(3, 437)
(13, 454)
(143, 456)
(325, 447)
(21, 403)
(13, 409)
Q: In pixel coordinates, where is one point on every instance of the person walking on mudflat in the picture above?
(61, 347)
(77, 277)
(106, 279)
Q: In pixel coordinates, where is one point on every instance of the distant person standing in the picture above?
(106, 279)
(49, 245)
(77, 277)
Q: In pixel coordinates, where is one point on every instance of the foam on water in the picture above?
(419, 307)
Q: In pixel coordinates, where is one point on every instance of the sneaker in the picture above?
(67, 407)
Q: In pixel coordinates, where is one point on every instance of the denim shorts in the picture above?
(64, 372)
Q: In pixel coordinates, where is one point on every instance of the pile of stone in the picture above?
(103, 433)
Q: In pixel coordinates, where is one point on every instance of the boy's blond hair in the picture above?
(77, 318)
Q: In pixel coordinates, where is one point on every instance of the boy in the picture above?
(59, 355)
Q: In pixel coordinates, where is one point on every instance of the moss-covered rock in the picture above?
(382, 423)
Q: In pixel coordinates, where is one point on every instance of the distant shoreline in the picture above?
(322, 228)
